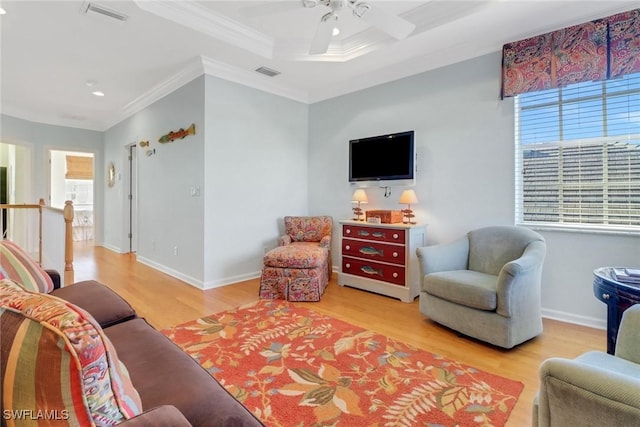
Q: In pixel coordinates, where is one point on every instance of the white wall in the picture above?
(170, 221)
(465, 145)
(248, 160)
(256, 173)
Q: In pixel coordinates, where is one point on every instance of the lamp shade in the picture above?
(359, 196)
(408, 197)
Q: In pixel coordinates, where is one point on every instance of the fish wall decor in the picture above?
(179, 134)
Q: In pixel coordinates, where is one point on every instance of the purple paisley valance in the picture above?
(593, 51)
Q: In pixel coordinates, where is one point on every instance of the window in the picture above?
(578, 156)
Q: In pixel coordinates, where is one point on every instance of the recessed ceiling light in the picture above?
(2, 11)
(335, 31)
(98, 93)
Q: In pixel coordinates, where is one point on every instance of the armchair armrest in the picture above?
(444, 257)
(577, 393)
(519, 282)
(284, 240)
(161, 416)
(55, 278)
(628, 342)
(326, 242)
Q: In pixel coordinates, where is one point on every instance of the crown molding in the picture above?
(191, 71)
(192, 15)
(252, 79)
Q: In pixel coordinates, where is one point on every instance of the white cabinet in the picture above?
(381, 258)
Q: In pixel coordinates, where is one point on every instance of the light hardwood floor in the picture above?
(165, 301)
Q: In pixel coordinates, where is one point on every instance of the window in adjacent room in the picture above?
(578, 156)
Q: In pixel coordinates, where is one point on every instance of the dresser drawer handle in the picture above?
(395, 275)
(395, 254)
(606, 296)
(348, 265)
(348, 247)
(395, 235)
(347, 231)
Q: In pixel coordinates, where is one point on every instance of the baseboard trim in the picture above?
(231, 280)
(112, 248)
(562, 316)
(171, 272)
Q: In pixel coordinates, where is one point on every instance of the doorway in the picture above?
(72, 178)
(15, 162)
(132, 178)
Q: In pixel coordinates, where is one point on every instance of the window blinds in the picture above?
(578, 155)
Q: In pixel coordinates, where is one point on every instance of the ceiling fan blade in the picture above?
(393, 25)
(269, 8)
(322, 38)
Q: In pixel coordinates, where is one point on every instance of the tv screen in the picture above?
(385, 159)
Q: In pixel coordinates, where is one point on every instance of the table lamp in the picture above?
(409, 198)
(359, 196)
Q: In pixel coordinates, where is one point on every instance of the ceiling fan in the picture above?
(395, 26)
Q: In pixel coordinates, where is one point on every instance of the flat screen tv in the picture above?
(384, 160)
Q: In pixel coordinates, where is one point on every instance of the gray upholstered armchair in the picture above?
(485, 285)
(596, 388)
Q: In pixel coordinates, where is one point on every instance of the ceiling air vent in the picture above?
(267, 71)
(110, 13)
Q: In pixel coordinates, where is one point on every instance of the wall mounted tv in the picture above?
(385, 160)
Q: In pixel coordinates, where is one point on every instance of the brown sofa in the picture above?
(174, 390)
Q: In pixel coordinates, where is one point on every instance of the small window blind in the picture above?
(578, 156)
(79, 167)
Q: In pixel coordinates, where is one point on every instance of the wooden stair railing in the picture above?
(66, 214)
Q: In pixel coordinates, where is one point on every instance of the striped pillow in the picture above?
(55, 358)
(17, 265)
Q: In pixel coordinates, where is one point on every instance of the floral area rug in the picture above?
(292, 366)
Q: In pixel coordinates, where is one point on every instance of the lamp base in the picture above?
(407, 217)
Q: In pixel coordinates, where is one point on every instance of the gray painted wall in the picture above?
(256, 173)
(465, 146)
(168, 216)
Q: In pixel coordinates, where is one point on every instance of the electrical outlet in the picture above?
(175, 250)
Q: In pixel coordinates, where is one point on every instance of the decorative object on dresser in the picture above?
(386, 217)
(408, 198)
(359, 196)
(381, 258)
(486, 284)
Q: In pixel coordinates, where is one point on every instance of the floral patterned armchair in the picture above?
(300, 267)
(308, 229)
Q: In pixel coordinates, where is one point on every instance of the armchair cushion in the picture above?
(308, 228)
(298, 255)
(469, 288)
(490, 248)
(40, 331)
(16, 264)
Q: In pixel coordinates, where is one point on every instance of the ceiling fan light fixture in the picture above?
(360, 9)
(309, 3)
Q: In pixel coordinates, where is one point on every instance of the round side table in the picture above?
(618, 296)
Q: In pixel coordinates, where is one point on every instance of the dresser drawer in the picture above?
(372, 270)
(374, 250)
(377, 234)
